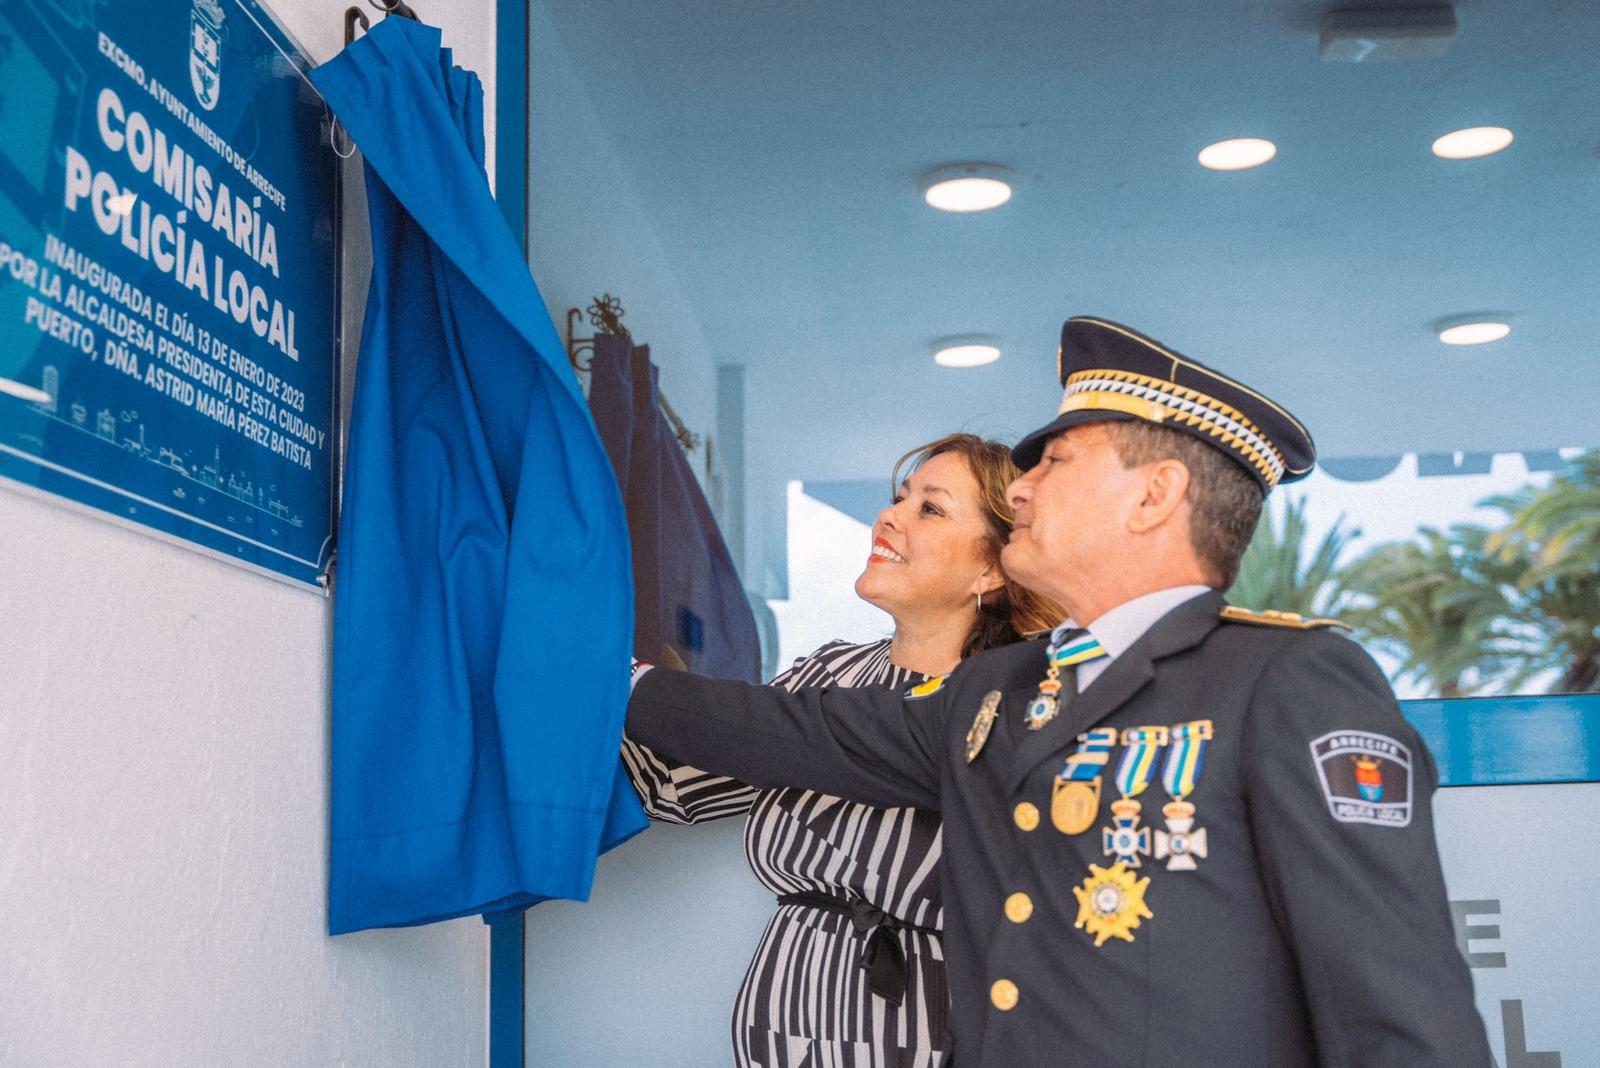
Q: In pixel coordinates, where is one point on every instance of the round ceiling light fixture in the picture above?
(1239, 154)
(1469, 144)
(966, 350)
(1479, 328)
(967, 187)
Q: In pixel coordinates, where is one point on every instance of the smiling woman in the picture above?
(852, 962)
(949, 521)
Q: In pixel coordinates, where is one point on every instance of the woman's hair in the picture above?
(1011, 611)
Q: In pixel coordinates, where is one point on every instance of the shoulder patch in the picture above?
(927, 689)
(1366, 777)
(1269, 618)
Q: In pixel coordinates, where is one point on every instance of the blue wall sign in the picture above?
(167, 272)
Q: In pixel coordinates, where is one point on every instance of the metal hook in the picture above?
(396, 7)
(334, 137)
(577, 344)
(353, 15)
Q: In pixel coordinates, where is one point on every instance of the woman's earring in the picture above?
(980, 601)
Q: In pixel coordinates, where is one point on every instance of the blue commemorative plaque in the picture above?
(167, 272)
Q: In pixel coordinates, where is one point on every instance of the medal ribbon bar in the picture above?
(1182, 771)
(1093, 753)
(1141, 746)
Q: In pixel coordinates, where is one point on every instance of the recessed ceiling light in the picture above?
(967, 187)
(1474, 333)
(967, 350)
(1238, 154)
(1468, 144)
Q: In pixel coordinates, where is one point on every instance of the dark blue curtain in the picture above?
(483, 605)
(691, 609)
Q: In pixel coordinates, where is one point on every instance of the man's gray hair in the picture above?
(1224, 499)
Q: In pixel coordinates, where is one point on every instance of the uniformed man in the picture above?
(1180, 835)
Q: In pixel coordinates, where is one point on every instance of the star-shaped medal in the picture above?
(1111, 903)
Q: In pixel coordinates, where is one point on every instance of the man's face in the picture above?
(1072, 510)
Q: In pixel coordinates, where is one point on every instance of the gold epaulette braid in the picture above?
(1269, 618)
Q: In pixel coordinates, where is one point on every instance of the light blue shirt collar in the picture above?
(1118, 629)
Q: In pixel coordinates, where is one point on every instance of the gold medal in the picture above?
(1111, 903)
(1074, 805)
(981, 725)
(1075, 797)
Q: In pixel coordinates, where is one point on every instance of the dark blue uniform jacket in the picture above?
(1301, 938)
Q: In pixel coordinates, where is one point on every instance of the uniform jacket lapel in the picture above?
(1182, 628)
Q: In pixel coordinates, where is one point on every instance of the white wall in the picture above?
(163, 785)
(163, 798)
(1540, 920)
(588, 233)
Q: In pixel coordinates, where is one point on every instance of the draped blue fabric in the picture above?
(687, 594)
(483, 606)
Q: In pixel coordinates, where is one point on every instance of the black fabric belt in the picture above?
(881, 958)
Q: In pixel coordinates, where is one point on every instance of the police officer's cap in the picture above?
(1112, 372)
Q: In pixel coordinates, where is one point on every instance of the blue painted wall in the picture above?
(1500, 741)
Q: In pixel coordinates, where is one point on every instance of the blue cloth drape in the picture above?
(484, 599)
(687, 594)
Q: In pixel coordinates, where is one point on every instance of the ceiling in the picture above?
(776, 148)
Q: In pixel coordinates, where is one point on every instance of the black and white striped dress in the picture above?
(805, 1002)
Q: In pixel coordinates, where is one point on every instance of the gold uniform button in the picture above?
(1019, 907)
(1003, 994)
(1026, 815)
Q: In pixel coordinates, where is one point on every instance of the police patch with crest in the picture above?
(1366, 777)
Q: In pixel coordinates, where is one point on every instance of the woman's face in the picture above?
(928, 554)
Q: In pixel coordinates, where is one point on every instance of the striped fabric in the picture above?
(804, 1002)
(1079, 650)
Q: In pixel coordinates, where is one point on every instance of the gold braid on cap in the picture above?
(1157, 400)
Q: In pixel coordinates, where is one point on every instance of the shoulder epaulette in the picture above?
(1269, 618)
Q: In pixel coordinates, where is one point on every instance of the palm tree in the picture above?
(1557, 531)
(1275, 573)
(1445, 608)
